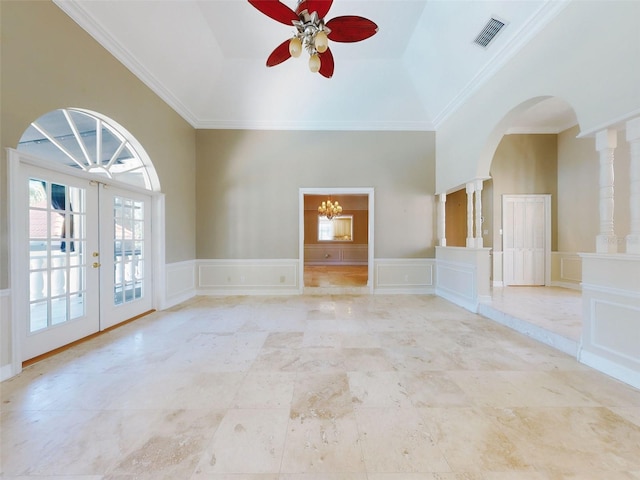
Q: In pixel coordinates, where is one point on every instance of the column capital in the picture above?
(633, 130)
(479, 184)
(606, 139)
(470, 187)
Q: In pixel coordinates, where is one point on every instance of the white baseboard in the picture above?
(457, 299)
(610, 368)
(6, 372)
(571, 285)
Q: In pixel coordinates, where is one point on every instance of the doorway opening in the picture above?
(336, 255)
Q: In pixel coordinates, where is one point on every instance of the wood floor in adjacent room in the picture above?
(312, 387)
(335, 275)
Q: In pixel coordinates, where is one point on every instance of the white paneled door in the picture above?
(526, 239)
(88, 258)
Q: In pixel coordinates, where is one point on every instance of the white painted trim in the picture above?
(158, 250)
(587, 288)
(610, 368)
(594, 319)
(369, 191)
(569, 285)
(17, 279)
(407, 273)
(6, 370)
(184, 272)
(468, 300)
(248, 277)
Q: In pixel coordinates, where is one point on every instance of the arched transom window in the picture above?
(88, 141)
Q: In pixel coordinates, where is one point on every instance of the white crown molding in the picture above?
(529, 30)
(317, 126)
(79, 15)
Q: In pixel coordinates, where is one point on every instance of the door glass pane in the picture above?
(128, 278)
(57, 263)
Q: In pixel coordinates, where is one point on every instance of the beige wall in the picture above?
(523, 164)
(456, 219)
(578, 192)
(248, 185)
(49, 62)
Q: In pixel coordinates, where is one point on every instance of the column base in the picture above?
(606, 244)
(633, 244)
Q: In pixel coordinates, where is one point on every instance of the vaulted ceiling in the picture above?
(206, 59)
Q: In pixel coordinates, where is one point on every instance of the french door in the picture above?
(88, 258)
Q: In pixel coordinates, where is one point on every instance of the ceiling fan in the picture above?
(312, 32)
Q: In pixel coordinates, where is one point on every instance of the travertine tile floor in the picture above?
(317, 388)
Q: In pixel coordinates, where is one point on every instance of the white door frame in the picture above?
(17, 243)
(369, 191)
(547, 235)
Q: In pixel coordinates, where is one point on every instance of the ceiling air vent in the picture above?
(489, 32)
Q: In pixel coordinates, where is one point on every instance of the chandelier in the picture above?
(330, 209)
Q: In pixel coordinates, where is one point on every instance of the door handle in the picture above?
(96, 265)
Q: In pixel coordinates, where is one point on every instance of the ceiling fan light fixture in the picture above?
(314, 63)
(321, 41)
(312, 33)
(295, 47)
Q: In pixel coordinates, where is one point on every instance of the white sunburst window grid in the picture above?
(82, 140)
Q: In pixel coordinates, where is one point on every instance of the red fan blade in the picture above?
(276, 10)
(279, 55)
(320, 6)
(326, 63)
(351, 28)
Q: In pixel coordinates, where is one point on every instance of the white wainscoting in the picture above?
(248, 277)
(404, 276)
(566, 270)
(6, 367)
(336, 254)
(463, 275)
(180, 283)
(611, 315)
(496, 269)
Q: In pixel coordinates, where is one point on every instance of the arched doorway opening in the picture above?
(527, 210)
(84, 199)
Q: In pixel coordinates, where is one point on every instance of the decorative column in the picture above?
(606, 142)
(633, 137)
(479, 241)
(470, 188)
(442, 211)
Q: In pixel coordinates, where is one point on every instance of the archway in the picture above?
(522, 159)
